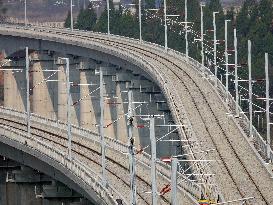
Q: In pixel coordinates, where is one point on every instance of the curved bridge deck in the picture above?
(194, 102)
(49, 137)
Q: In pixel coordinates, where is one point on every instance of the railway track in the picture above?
(84, 153)
(201, 105)
(193, 95)
(250, 184)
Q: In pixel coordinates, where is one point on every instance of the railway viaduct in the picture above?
(219, 156)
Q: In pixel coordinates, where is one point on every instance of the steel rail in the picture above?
(127, 45)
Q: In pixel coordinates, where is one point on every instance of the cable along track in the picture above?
(250, 186)
(83, 152)
(207, 108)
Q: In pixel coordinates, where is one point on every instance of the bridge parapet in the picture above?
(258, 142)
(166, 85)
(158, 62)
(75, 166)
(143, 161)
(163, 81)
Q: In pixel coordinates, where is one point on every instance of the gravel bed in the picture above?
(239, 172)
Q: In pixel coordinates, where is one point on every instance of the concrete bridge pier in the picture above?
(74, 77)
(44, 98)
(15, 84)
(141, 126)
(62, 90)
(110, 112)
(19, 184)
(144, 104)
(137, 84)
(172, 147)
(166, 147)
(148, 92)
(121, 124)
(87, 85)
(123, 83)
(22, 185)
(62, 96)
